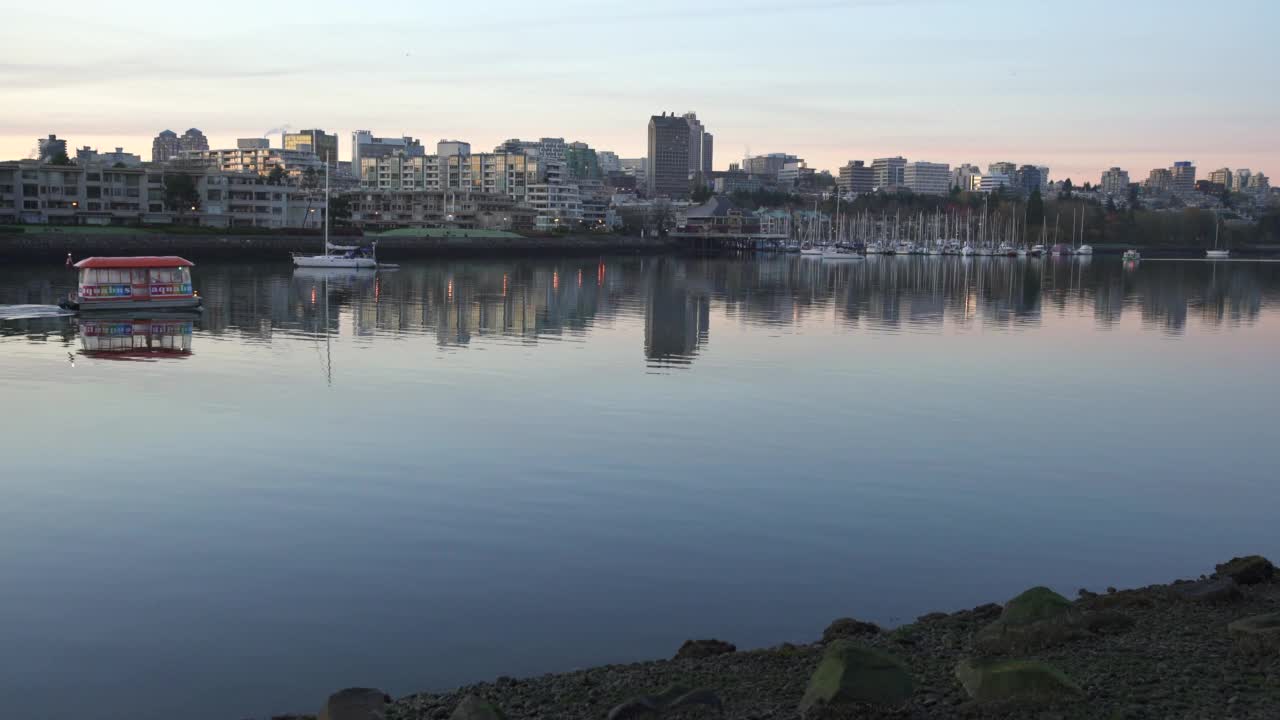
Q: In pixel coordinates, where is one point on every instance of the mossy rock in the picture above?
(1257, 635)
(1248, 570)
(1037, 619)
(1038, 603)
(852, 673)
(1018, 681)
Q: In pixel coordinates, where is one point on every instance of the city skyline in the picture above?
(1080, 88)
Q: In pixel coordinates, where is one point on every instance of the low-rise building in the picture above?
(381, 210)
(88, 156)
(966, 177)
(255, 160)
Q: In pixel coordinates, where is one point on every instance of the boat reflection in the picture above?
(133, 338)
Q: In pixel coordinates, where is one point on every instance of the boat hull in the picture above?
(334, 261)
(94, 306)
(1217, 254)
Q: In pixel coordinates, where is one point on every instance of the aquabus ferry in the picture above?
(134, 283)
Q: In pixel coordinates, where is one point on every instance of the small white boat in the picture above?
(967, 250)
(1037, 250)
(1132, 254)
(1217, 253)
(1007, 250)
(808, 248)
(1084, 250)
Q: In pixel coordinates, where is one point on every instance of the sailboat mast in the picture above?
(326, 204)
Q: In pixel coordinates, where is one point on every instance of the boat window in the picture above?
(139, 277)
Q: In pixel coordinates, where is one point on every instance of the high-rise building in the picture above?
(1221, 176)
(1115, 182)
(966, 177)
(1002, 168)
(1044, 177)
(926, 178)
(1160, 181)
(856, 178)
(193, 141)
(324, 145)
(700, 145)
(165, 147)
(609, 161)
(668, 156)
(1258, 182)
(889, 172)
(993, 181)
(767, 165)
(1184, 176)
(796, 174)
(52, 147)
(1240, 179)
(1027, 179)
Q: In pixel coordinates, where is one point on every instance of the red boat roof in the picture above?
(142, 261)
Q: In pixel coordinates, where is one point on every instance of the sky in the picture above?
(1078, 86)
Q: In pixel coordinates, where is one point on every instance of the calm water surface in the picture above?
(463, 469)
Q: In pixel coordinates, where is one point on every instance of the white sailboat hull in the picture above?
(334, 261)
(1217, 254)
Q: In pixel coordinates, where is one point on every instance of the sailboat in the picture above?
(351, 258)
(1083, 249)
(1216, 253)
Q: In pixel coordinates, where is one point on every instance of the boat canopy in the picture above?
(145, 261)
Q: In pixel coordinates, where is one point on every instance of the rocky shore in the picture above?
(1193, 649)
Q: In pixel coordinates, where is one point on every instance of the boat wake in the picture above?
(29, 312)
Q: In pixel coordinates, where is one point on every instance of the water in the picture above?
(473, 468)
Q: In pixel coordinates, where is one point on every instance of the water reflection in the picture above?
(533, 301)
(136, 338)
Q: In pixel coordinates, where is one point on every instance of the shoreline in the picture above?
(1202, 648)
(54, 246)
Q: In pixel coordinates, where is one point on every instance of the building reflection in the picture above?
(533, 301)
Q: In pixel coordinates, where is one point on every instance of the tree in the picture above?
(180, 193)
(1035, 208)
(701, 194)
(1225, 196)
(1135, 203)
(1111, 204)
(60, 158)
(1066, 189)
(339, 209)
(661, 216)
(311, 179)
(276, 176)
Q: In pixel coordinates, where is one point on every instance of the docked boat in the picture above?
(347, 257)
(839, 252)
(1132, 254)
(1037, 250)
(148, 282)
(1007, 250)
(808, 248)
(1084, 250)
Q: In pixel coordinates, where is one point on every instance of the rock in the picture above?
(1037, 619)
(356, 704)
(1222, 589)
(1257, 635)
(848, 628)
(1014, 681)
(476, 708)
(1248, 570)
(1108, 622)
(931, 617)
(675, 696)
(990, 611)
(698, 649)
(851, 673)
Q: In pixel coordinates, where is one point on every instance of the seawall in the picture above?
(52, 246)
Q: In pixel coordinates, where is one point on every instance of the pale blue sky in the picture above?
(1075, 85)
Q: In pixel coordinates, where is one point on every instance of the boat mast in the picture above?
(326, 207)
